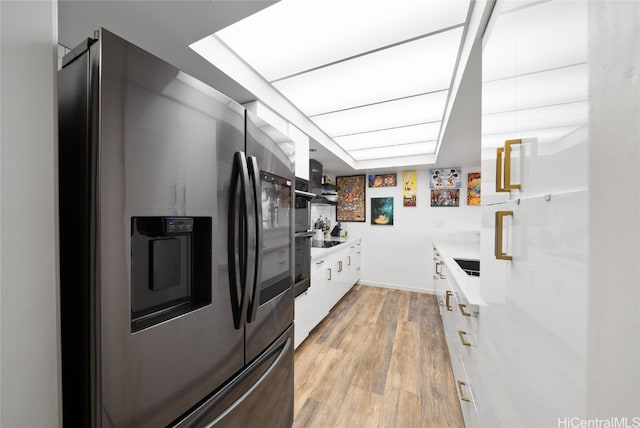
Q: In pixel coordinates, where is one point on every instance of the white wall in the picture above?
(401, 256)
(614, 211)
(323, 210)
(29, 391)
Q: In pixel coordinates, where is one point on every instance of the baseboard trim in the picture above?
(397, 287)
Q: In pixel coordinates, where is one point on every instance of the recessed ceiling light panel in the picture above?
(420, 66)
(390, 114)
(388, 137)
(293, 36)
(414, 149)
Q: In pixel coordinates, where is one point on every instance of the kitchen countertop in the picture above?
(317, 253)
(464, 245)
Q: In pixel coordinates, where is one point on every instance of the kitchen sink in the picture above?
(470, 266)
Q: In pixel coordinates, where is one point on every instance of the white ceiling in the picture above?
(167, 28)
(374, 75)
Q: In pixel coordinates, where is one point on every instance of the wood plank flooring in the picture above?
(379, 359)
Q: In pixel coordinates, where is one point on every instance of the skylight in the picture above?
(373, 75)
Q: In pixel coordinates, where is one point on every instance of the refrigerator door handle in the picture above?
(281, 352)
(199, 416)
(254, 173)
(239, 225)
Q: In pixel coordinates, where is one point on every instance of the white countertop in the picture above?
(318, 253)
(465, 245)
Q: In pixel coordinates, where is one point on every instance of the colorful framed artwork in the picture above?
(383, 180)
(352, 200)
(445, 198)
(445, 178)
(410, 183)
(382, 211)
(473, 188)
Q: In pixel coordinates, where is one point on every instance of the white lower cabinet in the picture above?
(461, 323)
(332, 276)
(303, 324)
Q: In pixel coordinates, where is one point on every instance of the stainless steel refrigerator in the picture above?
(176, 249)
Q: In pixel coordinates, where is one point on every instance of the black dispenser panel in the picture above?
(165, 263)
(170, 268)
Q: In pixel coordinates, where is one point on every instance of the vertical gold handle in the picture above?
(339, 265)
(462, 334)
(462, 396)
(507, 165)
(438, 272)
(348, 260)
(499, 252)
(499, 187)
(447, 303)
(329, 274)
(464, 313)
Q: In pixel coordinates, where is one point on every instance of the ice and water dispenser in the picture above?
(170, 268)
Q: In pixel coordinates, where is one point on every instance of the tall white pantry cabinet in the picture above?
(534, 233)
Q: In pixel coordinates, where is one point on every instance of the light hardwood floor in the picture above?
(379, 359)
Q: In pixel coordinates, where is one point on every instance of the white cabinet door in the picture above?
(357, 262)
(535, 88)
(494, 272)
(353, 263)
(534, 324)
(340, 281)
(322, 275)
(303, 316)
(546, 291)
(532, 369)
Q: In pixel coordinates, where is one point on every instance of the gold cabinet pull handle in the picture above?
(447, 303)
(499, 187)
(348, 260)
(464, 313)
(462, 334)
(507, 165)
(438, 265)
(462, 396)
(499, 252)
(329, 274)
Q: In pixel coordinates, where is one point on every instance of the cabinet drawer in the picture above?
(467, 315)
(467, 395)
(318, 264)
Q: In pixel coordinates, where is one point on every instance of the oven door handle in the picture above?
(256, 191)
(304, 194)
(238, 233)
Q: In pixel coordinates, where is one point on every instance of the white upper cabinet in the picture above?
(535, 89)
(534, 235)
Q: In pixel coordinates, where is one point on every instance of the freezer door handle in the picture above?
(254, 174)
(238, 244)
(282, 352)
(215, 404)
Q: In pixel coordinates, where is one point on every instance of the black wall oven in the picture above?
(303, 236)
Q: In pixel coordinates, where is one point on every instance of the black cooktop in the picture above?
(324, 244)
